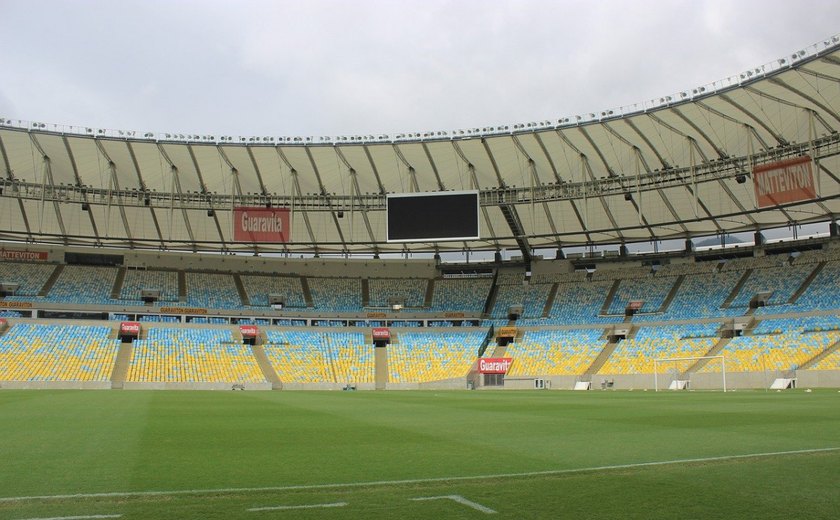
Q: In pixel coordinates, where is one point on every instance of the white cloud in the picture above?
(367, 67)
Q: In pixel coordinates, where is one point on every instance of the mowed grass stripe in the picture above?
(433, 480)
(78, 443)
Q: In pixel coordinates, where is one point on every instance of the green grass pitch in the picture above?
(419, 455)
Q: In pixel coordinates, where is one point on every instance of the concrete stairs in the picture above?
(182, 286)
(806, 283)
(380, 360)
(737, 289)
(307, 294)
(120, 371)
(700, 363)
(605, 354)
(672, 294)
(240, 288)
(430, 293)
(365, 292)
(610, 297)
(266, 368)
(819, 357)
(118, 284)
(549, 302)
(45, 290)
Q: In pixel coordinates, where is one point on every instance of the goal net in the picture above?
(677, 373)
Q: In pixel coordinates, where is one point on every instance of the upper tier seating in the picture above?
(258, 287)
(83, 284)
(461, 294)
(212, 291)
(336, 294)
(411, 291)
(783, 280)
(822, 292)
(581, 302)
(34, 352)
(652, 290)
(138, 279)
(29, 277)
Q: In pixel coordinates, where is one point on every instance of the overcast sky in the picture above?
(331, 67)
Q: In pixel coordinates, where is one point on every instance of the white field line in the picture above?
(85, 517)
(310, 506)
(461, 500)
(374, 483)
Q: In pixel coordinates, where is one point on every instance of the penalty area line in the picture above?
(430, 480)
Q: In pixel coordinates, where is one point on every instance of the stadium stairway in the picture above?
(365, 292)
(549, 301)
(118, 284)
(672, 294)
(430, 293)
(240, 288)
(602, 358)
(182, 286)
(700, 363)
(307, 294)
(266, 368)
(120, 371)
(819, 357)
(806, 283)
(45, 290)
(737, 289)
(380, 367)
(605, 309)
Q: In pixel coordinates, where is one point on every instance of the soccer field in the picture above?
(255, 455)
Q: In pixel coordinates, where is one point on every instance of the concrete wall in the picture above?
(55, 385)
(192, 386)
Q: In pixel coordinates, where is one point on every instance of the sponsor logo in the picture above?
(507, 332)
(454, 315)
(261, 225)
(248, 331)
(784, 181)
(376, 315)
(494, 365)
(381, 333)
(15, 254)
(16, 305)
(182, 310)
(130, 327)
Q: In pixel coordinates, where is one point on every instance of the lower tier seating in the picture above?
(30, 352)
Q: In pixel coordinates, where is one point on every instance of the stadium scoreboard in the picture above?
(437, 216)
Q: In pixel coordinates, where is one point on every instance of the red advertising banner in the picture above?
(257, 224)
(381, 333)
(784, 181)
(494, 365)
(3, 323)
(130, 328)
(248, 331)
(17, 254)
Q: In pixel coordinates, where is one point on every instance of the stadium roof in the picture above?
(674, 167)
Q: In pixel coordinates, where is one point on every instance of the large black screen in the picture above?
(433, 216)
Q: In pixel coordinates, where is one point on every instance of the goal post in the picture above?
(672, 368)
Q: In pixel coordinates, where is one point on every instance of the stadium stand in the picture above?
(555, 352)
(83, 284)
(421, 357)
(192, 355)
(461, 294)
(336, 294)
(411, 291)
(35, 352)
(636, 355)
(212, 291)
(29, 277)
(259, 288)
(138, 279)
